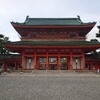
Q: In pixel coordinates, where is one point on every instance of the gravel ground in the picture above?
(49, 88)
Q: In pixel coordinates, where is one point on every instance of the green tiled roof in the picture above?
(52, 21)
(54, 43)
(9, 56)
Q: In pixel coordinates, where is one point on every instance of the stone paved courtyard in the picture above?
(49, 87)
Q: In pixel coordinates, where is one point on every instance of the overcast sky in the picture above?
(17, 10)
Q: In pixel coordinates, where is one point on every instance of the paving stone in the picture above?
(49, 88)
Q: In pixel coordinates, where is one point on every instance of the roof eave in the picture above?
(34, 26)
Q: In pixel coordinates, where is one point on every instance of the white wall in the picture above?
(78, 66)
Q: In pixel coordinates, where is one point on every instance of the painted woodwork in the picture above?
(37, 57)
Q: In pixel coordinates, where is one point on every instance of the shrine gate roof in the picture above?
(53, 43)
(52, 21)
(19, 46)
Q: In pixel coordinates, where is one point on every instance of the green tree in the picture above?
(3, 39)
(98, 34)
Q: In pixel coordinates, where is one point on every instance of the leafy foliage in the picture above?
(98, 34)
(94, 40)
(3, 39)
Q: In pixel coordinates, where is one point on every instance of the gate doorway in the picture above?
(29, 63)
(64, 61)
(52, 63)
(41, 63)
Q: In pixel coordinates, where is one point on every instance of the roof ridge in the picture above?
(53, 18)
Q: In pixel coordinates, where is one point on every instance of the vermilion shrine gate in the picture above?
(53, 43)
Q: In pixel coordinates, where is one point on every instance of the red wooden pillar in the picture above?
(4, 66)
(83, 61)
(70, 67)
(47, 60)
(90, 65)
(58, 62)
(35, 61)
(15, 64)
(23, 60)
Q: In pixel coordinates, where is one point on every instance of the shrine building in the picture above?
(53, 44)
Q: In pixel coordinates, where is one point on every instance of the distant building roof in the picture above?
(9, 56)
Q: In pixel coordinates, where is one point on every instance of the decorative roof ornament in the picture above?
(27, 17)
(78, 17)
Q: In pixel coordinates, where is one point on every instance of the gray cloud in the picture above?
(17, 10)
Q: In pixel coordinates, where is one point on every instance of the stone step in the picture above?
(85, 71)
(52, 72)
